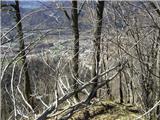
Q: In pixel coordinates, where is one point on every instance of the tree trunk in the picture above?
(158, 79)
(120, 87)
(96, 55)
(131, 81)
(76, 44)
(27, 86)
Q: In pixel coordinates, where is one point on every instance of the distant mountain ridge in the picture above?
(50, 19)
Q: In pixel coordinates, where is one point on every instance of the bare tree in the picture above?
(76, 44)
(27, 82)
(96, 41)
(75, 12)
(126, 41)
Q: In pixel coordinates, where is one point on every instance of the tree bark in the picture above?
(27, 86)
(96, 55)
(76, 45)
(120, 87)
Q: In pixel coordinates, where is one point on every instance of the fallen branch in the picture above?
(158, 103)
(48, 111)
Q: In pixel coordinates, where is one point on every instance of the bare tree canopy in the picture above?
(80, 60)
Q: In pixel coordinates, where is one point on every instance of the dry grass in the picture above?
(107, 110)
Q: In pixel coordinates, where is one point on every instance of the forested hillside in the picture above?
(80, 60)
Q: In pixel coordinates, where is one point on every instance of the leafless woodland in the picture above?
(102, 50)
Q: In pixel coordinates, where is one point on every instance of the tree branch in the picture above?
(79, 12)
(48, 111)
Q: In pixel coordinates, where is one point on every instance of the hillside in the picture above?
(80, 60)
(104, 110)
